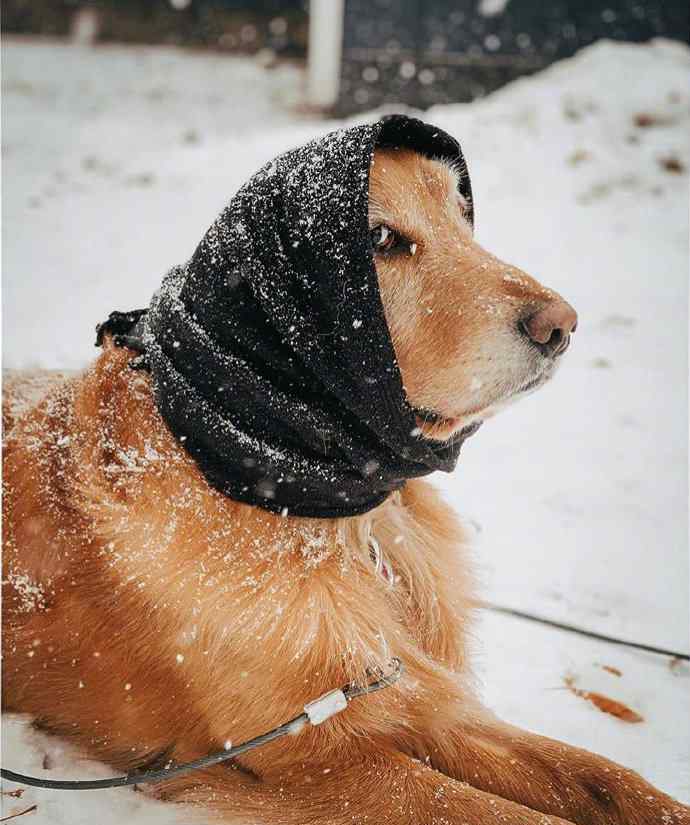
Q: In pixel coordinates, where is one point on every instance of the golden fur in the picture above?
(149, 618)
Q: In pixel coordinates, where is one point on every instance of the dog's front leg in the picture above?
(377, 789)
(550, 776)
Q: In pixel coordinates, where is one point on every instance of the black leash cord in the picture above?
(532, 617)
(153, 776)
(348, 693)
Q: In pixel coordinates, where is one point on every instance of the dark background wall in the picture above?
(439, 51)
(418, 52)
(243, 26)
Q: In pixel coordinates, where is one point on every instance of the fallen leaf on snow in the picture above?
(672, 163)
(604, 703)
(612, 670)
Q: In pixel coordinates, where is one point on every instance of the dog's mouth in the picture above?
(532, 384)
(542, 377)
(464, 433)
(437, 427)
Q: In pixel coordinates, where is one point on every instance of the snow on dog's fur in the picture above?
(148, 618)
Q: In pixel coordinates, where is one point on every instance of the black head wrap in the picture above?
(269, 350)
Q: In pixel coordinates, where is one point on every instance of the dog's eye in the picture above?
(384, 239)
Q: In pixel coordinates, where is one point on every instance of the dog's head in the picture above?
(471, 333)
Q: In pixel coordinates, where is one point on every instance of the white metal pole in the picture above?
(325, 50)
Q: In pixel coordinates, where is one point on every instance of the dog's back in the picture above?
(23, 389)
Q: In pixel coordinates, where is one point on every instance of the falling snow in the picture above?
(542, 121)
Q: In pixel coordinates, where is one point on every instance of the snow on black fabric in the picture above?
(269, 350)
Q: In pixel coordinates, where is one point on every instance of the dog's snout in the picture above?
(550, 327)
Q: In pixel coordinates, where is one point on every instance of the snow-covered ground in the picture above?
(116, 160)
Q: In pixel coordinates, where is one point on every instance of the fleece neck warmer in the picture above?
(270, 356)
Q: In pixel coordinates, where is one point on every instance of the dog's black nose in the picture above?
(550, 327)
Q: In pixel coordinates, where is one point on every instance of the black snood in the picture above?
(270, 356)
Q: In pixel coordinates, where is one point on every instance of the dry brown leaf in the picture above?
(604, 703)
(613, 706)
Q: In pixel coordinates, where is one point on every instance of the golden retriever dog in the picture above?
(148, 618)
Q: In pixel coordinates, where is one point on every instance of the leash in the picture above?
(315, 712)
(580, 631)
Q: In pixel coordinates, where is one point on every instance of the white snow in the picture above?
(21, 745)
(116, 160)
